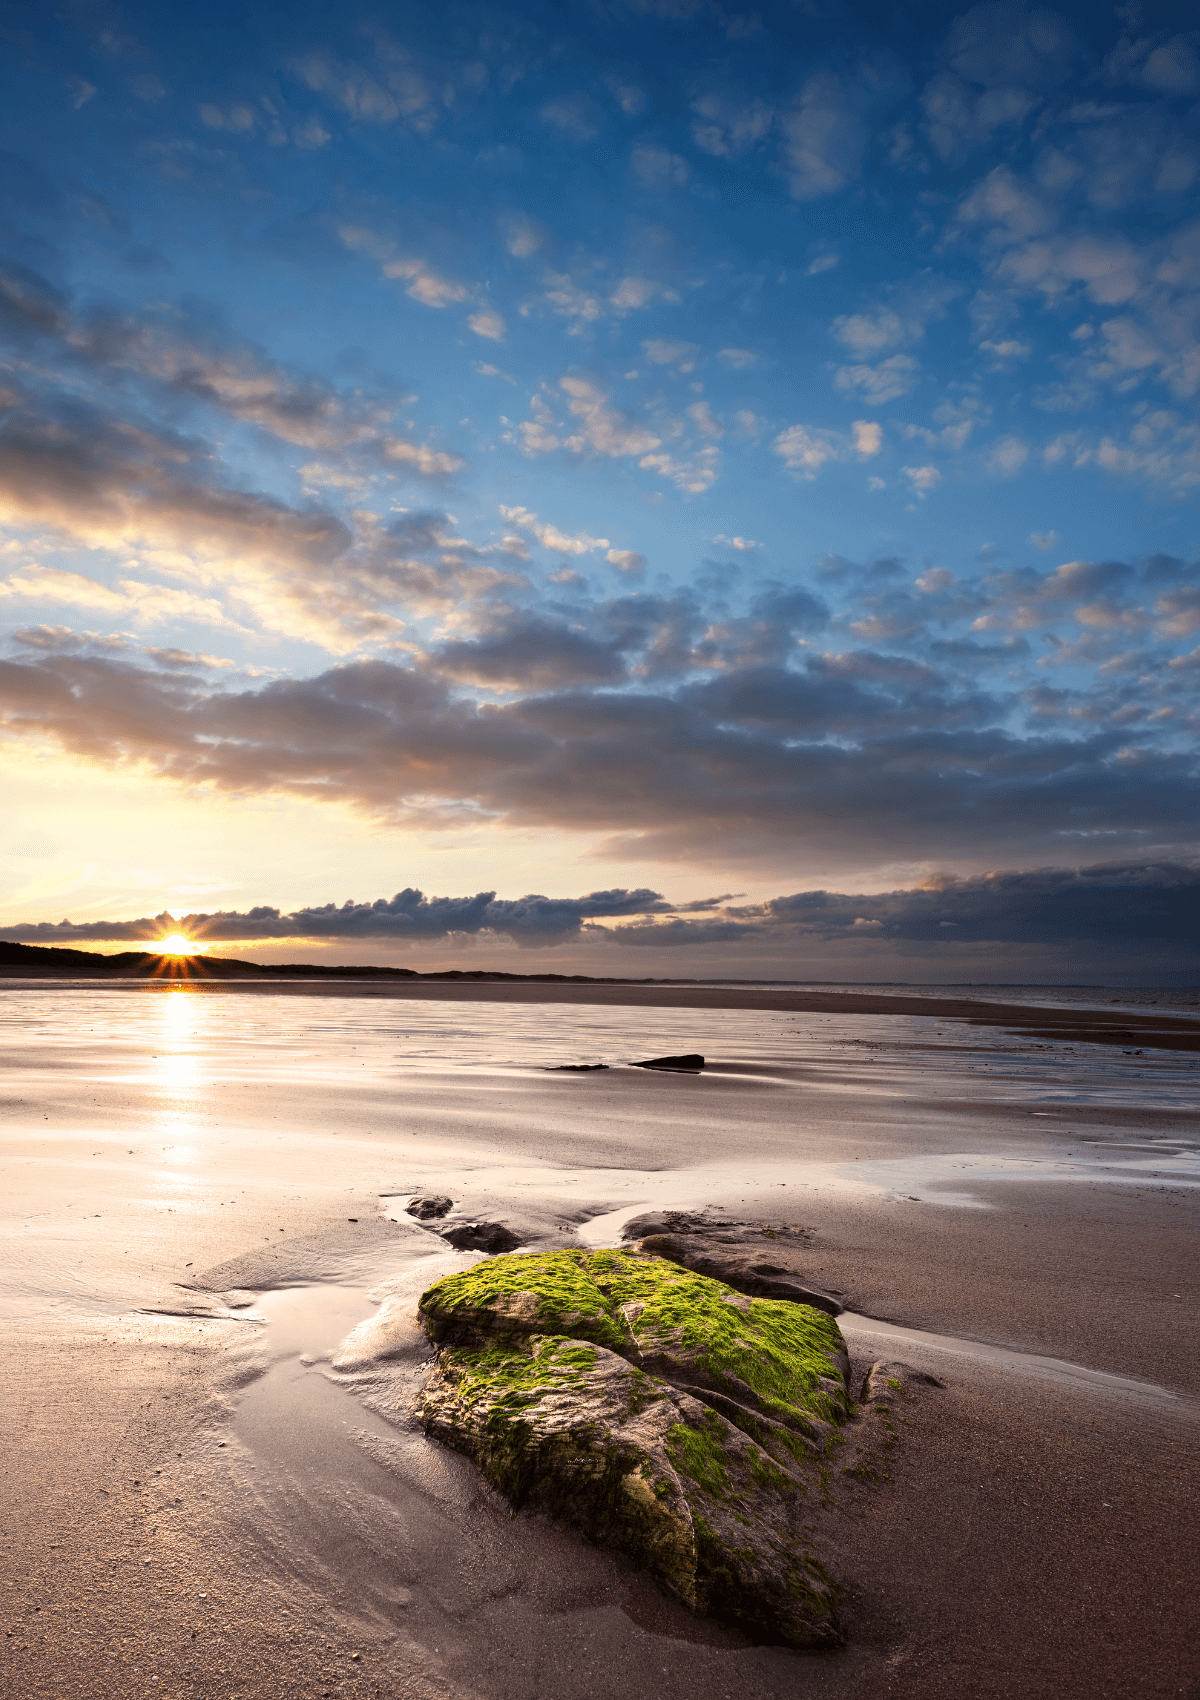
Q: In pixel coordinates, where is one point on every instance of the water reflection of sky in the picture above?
(175, 1044)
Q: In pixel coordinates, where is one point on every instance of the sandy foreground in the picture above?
(210, 1487)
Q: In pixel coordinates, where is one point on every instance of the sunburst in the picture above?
(177, 944)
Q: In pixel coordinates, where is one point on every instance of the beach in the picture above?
(213, 1484)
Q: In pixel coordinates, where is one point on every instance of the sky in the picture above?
(625, 488)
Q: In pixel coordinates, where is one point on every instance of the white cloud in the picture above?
(741, 544)
(866, 334)
(524, 238)
(488, 323)
(1010, 349)
(1008, 456)
(923, 479)
(805, 449)
(424, 284)
(739, 359)
(604, 429)
(550, 537)
(433, 463)
(663, 351)
(1043, 539)
(626, 561)
(695, 474)
(701, 416)
(633, 293)
(823, 263)
(137, 600)
(880, 383)
(868, 437)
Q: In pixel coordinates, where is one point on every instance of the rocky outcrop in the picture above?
(658, 1411)
(726, 1251)
(692, 1063)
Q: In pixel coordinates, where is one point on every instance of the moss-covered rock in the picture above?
(656, 1410)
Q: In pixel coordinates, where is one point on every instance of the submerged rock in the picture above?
(658, 1411)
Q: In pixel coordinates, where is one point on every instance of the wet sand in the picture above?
(167, 1153)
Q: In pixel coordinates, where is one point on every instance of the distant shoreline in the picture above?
(1129, 1029)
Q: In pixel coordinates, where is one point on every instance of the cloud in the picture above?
(806, 449)
(866, 334)
(1105, 907)
(550, 537)
(830, 755)
(665, 351)
(408, 917)
(523, 652)
(922, 479)
(825, 135)
(488, 323)
(425, 284)
(602, 428)
(432, 463)
(626, 561)
(658, 168)
(738, 359)
(235, 118)
(881, 383)
(396, 92)
(725, 127)
(1008, 456)
(524, 238)
(1174, 68)
(573, 116)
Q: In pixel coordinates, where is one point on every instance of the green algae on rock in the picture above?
(658, 1411)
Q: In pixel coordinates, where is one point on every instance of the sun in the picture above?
(175, 944)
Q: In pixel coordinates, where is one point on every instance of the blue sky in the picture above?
(651, 448)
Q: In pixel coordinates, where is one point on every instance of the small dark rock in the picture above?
(576, 1068)
(429, 1209)
(491, 1237)
(692, 1063)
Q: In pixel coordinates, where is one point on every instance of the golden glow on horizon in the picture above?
(177, 944)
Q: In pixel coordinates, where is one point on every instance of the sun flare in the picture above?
(176, 944)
